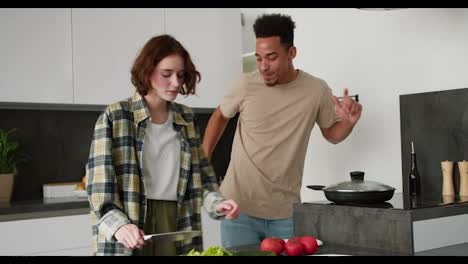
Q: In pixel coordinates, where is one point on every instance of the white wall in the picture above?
(248, 36)
(378, 55)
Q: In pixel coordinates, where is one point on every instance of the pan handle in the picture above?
(315, 187)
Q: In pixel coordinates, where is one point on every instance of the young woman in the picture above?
(147, 172)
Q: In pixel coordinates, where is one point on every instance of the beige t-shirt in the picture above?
(267, 160)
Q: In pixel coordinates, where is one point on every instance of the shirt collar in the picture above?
(141, 111)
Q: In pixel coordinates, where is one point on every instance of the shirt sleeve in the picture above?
(232, 101)
(211, 196)
(102, 185)
(327, 115)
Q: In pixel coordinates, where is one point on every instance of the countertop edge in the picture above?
(43, 214)
(44, 208)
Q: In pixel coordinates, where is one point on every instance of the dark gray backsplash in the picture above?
(437, 123)
(56, 138)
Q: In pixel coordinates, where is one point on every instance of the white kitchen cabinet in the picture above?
(36, 55)
(440, 232)
(213, 37)
(84, 56)
(105, 44)
(82, 251)
(64, 235)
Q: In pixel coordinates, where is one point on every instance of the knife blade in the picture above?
(173, 236)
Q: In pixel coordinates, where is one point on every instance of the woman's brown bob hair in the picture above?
(155, 50)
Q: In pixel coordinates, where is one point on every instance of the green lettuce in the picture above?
(211, 251)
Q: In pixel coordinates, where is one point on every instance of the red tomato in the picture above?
(309, 244)
(293, 247)
(271, 244)
(281, 241)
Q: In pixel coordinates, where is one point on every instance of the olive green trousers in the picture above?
(160, 218)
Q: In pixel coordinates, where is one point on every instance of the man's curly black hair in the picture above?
(271, 25)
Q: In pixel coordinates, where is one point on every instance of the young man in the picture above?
(278, 107)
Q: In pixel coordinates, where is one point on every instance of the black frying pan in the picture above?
(356, 197)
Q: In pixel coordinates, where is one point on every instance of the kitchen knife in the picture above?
(173, 236)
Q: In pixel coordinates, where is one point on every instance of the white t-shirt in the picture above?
(161, 161)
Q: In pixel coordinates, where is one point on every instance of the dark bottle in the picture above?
(414, 178)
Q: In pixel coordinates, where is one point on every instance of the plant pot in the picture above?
(6, 187)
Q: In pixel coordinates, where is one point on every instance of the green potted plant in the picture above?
(8, 161)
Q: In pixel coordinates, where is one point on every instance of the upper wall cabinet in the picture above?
(105, 44)
(36, 55)
(213, 38)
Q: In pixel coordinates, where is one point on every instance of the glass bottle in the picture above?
(414, 177)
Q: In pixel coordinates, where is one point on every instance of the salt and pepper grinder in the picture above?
(447, 177)
(448, 199)
(463, 171)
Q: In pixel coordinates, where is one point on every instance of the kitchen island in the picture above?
(391, 226)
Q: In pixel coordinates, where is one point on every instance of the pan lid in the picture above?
(357, 184)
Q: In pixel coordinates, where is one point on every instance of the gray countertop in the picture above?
(47, 207)
(427, 207)
(386, 228)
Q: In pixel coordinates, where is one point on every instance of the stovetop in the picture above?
(399, 201)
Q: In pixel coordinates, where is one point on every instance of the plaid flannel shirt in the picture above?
(116, 186)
